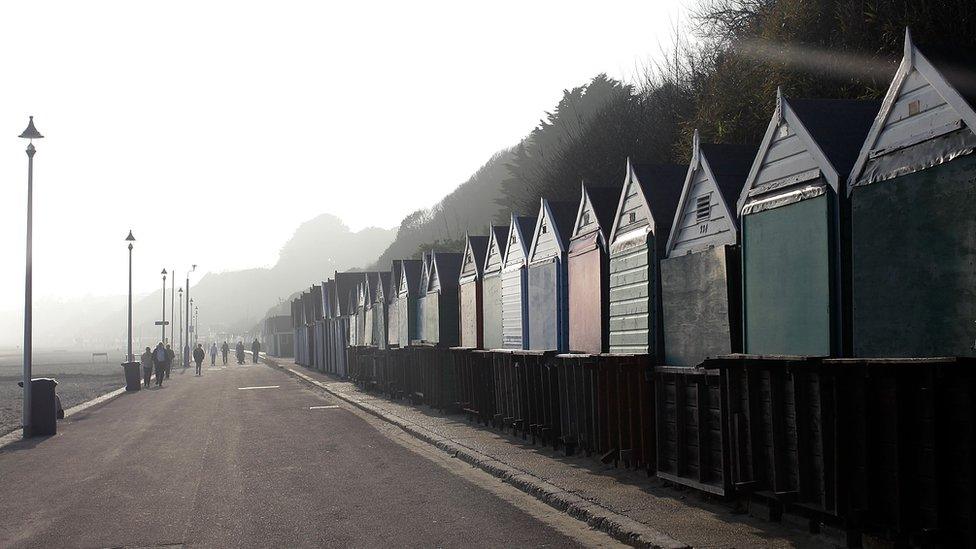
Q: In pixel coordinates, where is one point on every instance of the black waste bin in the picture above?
(44, 407)
(133, 376)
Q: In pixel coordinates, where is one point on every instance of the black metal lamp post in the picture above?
(163, 323)
(181, 321)
(129, 357)
(30, 134)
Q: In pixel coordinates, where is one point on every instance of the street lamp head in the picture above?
(31, 132)
(181, 292)
(163, 273)
(130, 238)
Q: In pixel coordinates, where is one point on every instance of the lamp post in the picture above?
(130, 239)
(186, 357)
(196, 323)
(163, 323)
(193, 328)
(172, 306)
(181, 321)
(30, 134)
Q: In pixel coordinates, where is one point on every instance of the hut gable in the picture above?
(346, 286)
(518, 240)
(370, 286)
(445, 268)
(929, 101)
(596, 210)
(410, 272)
(424, 274)
(382, 287)
(648, 199)
(552, 231)
(705, 215)
(475, 248)
(393, 290)
(809, 145)
(497, 243)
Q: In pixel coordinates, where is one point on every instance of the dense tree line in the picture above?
(720, 78)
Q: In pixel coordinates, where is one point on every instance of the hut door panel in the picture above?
(421, 318)
(921, 226)
(432, 318)
(492, 306)
(543, 303)
(369, 332)
(469, 314)
(695, 295)
(630, 300)
(586, 310)
(405, 321)
(392, 323)
(786, 276)
(513, 310)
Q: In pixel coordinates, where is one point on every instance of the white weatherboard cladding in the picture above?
(692, 232)
(918, 113)
(920, 107)
(434, 283)
(469, 268)
(544, 244)
(632, 203)
(493, 259)
(516, 254)
(586, 220)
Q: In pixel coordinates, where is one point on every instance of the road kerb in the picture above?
(620, 527)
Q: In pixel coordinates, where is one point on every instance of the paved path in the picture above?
(204, 461)
(628, 501)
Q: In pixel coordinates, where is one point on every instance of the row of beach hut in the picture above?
(790, 323)
(848, 231)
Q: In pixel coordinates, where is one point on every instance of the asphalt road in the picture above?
(202, 462)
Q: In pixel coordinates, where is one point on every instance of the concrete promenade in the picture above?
(252, 457)
(627, 503)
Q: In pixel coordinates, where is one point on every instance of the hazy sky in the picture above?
(211, 129)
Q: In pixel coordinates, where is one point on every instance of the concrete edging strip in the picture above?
(16, 435)
(620, 527)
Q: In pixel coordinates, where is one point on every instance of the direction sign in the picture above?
(162, 323)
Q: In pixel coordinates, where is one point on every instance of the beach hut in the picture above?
(913, 209)
(410, 273)
(794, 230)
(422, 296)
(441, 301)
(515, 323)
(700, 284)
(367, 298)
(470, 289)
(392, 296)
(588, 267)
(547, 274)
(642, 223)
(491, 286)
(382, 285)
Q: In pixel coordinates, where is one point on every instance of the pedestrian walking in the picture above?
(213, 353)
(170, 355)
(198, 356)
(159, 363)
(146, 360)
(240, 352)
(224, 350)
(255, 350)
(186, 356)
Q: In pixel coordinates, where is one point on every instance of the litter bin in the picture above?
(44, 407)
(133, 379)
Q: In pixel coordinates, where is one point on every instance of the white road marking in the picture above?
(323, 407)
(258, 387)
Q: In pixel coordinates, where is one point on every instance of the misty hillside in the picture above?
(235, 300)
(231, 301)
(471, 207)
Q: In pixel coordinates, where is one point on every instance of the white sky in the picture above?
(211, 129)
